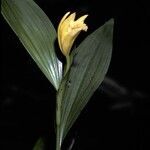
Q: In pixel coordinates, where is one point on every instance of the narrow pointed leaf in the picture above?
(36, 33)
(40, 145)
(90, 64)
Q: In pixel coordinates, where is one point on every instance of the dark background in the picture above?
(117, 116)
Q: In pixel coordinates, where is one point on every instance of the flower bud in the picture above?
(68, 30)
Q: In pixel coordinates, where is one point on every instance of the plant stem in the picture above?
(58, 116)
(68, 63)
(58, 146)
(59, 134)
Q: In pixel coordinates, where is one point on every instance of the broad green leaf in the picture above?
(36, 33)
(40, 145)
(89, 67)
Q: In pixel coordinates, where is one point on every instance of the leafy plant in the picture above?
(86, 65)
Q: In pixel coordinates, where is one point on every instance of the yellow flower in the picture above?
(68, 30)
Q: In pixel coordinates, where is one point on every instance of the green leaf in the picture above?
(89, 67)
(40, 145)
(36, 33)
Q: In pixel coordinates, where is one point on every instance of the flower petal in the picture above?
(62, 20)
(68, 30)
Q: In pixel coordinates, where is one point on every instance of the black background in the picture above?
(115, 118)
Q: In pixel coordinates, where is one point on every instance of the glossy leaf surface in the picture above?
(36, 33)
(89, 67)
